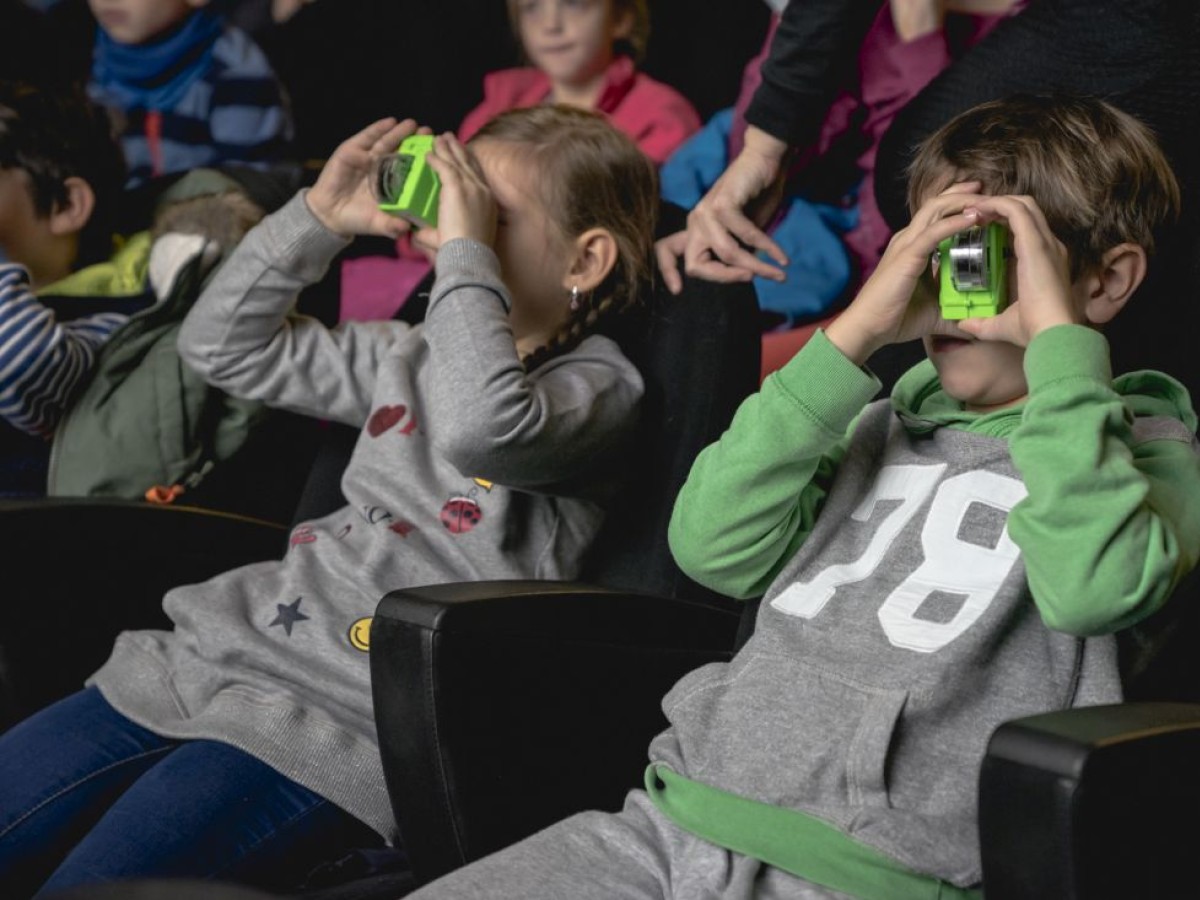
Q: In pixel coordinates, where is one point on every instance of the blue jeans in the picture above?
(87, 796)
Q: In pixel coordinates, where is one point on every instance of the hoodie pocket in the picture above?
(785, 732)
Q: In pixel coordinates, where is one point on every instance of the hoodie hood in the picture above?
(922, 404)
(1151, 393)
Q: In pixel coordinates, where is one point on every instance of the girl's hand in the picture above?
(1041, 290)
(466, 205)
(899, 301)
(343, 199)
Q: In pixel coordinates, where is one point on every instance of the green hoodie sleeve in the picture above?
(1109, 525)
(752, 497)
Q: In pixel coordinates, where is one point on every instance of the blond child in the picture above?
(585, 53)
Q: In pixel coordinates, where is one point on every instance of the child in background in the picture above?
(491, 435)
(93, 398)
(934, 565)
(584, 53)
(60, 180)
(187, 89)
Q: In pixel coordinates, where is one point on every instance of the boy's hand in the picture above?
(466, 205)
(1041, 290)
(898, 303)
(343, 199)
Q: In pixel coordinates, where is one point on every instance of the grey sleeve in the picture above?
(532, 431)
(244, 337)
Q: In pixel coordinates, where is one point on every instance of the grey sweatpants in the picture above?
(634, 854)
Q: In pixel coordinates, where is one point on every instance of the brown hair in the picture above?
(590, 175)
(1097, 173)
(633, 46)
(54, 135)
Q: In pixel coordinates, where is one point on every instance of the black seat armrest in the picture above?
(1092, 803)
(504, 706)
(79, 571)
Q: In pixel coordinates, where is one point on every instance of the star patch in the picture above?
(289, 615)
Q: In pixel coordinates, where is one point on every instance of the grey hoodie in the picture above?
(467, 468)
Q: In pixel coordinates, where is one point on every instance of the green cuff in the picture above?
(825, 384)
(1067, 351)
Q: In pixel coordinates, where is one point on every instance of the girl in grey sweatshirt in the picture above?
(233, 743)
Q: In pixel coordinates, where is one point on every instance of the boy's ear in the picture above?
(1122, 269)
(72, 214)
(595, 255)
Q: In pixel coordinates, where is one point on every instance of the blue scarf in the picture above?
(156, 75)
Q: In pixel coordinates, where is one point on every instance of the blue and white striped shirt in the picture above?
(43, 361)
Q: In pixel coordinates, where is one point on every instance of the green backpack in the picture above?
(144, 420)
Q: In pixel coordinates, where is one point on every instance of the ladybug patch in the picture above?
(461, 514)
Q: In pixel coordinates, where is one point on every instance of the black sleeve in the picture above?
(1140, 54)
(814, 49)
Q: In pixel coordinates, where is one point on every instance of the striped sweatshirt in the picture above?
(42, 360)
(234, 111)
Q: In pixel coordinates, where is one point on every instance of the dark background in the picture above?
(348, 62)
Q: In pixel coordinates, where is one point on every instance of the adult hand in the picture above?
(343, 199)
(914, 19)
(724, 229)
(282, 10)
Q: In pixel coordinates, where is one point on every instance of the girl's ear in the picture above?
(72, 214)
(1122, 269)
(623, 24)
(595, 254)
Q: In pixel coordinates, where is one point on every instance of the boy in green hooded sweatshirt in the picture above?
(932, 565)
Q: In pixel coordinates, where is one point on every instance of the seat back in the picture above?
(699, 355)
(472, 683)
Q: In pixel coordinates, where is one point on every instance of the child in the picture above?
(60, 177)
(584, 53)
(189, 90)
(933, 565)
(490, 437)
(93, 399)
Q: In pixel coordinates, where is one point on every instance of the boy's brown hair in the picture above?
(1096, 172)
(639, 35)
(589, 175)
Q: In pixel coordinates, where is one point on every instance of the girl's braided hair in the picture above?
(589, 175)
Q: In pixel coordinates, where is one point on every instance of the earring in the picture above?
(574, 297)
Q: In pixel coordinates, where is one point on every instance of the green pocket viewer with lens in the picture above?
(973, 272)
(405, 183)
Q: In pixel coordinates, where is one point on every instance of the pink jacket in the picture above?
(656, 116)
